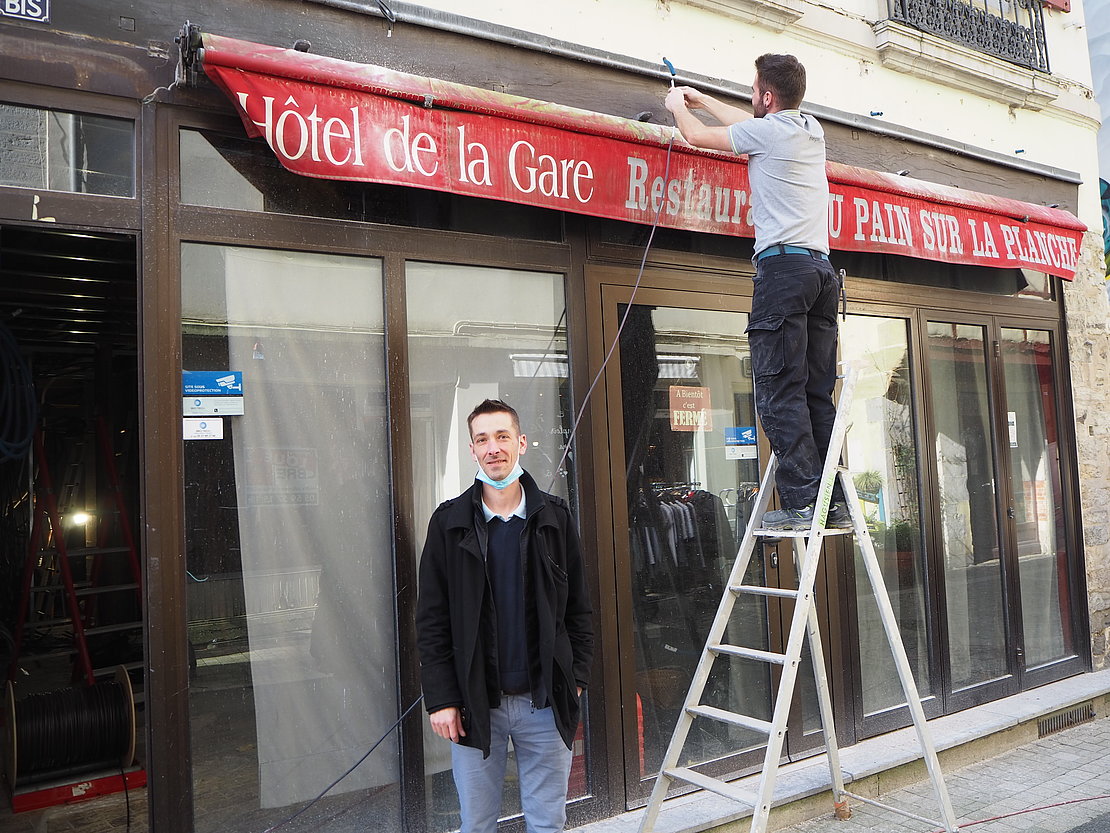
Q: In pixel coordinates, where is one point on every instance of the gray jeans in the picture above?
(542, 762)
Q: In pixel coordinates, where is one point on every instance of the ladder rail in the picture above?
(788, 678)
(824, 701)
(50, 509)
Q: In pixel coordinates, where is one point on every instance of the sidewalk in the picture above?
(1064, 767)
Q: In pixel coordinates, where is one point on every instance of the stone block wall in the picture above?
(1087, 306)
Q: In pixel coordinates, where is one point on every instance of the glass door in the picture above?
(1035, 508)
(685, 458)
(290, 594)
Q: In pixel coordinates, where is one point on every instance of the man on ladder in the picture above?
(792, 335)
(792, 330)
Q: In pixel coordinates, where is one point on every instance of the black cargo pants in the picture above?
(792, 334)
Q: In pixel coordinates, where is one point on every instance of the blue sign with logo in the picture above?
(36, 10)
(212, 382)
(740, 435)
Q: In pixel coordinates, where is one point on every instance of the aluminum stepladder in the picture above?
(807, 546)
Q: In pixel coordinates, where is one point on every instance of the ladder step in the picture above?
(799, 533)
(105, 588)
(39, 624)
(76, 552)
(108, 670)
(742, 720)
(56, 652)
(713, 785)
(48, 588)
(97, 551)
(760, 590)
(122, 626)
(85, 589)
(749, 653)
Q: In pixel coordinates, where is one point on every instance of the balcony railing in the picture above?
(1012, 30)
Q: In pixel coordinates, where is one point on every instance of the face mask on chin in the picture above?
(514, 475)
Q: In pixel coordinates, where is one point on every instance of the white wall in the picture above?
(838, 46)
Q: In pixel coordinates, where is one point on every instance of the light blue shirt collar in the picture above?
(518, 512)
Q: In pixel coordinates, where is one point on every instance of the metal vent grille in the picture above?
(1066, 719)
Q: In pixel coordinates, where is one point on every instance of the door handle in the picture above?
(1010, 512)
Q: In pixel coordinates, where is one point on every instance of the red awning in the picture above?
(340, 120)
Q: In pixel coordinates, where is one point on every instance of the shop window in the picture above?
(477, 333)
(882, 459)
(692, 469)
(288, 538)
(54, 150)
(221, 171)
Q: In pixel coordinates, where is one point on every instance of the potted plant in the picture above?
(903, 538)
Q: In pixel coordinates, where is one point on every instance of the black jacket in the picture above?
(455, 628)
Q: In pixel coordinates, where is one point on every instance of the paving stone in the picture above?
(1073, 764)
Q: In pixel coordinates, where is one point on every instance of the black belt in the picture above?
(783, 249)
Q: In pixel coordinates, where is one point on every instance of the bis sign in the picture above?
(36, 10)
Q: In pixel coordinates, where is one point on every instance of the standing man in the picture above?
(504, 630)
(792, 330)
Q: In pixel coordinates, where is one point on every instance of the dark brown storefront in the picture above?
(280, 561)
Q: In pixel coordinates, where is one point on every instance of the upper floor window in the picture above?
(1012, 30)
(55, 150)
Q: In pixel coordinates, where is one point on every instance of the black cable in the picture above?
(353, 767)
(126, 794)
(620, 328)
(387, 11)
(18, 408)
(389, 15)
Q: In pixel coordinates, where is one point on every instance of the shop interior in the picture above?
(71, 630)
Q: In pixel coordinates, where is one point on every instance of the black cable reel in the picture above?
(70, 731)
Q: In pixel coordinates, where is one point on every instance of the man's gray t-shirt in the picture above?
(786, 169)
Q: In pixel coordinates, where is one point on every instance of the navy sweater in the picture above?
(506, 578)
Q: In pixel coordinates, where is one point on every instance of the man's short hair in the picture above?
(493, 406)
(783, 75)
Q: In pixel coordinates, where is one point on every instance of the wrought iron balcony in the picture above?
(1012, 30)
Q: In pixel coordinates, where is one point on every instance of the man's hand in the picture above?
(447, 723)
(695, 99)
(676, 99)
(693, 130)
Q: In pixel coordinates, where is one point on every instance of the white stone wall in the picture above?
(1088, 311)
(1088, 322)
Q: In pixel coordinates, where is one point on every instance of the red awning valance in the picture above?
(340, 120)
